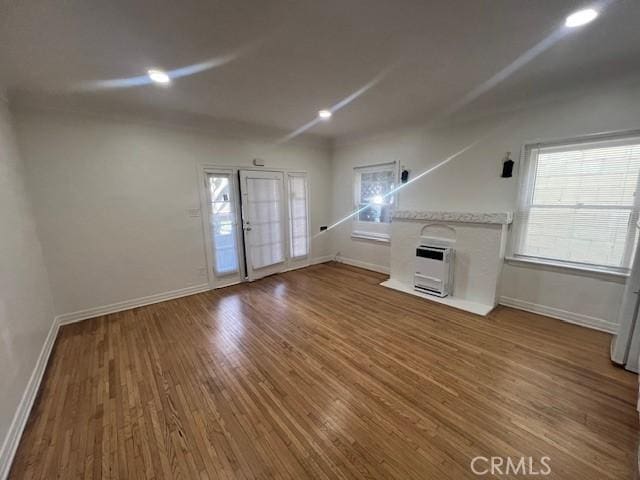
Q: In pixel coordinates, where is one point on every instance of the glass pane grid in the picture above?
(298, 216)
(375, 201)
(223, 224)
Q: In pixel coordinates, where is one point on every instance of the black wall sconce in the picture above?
(507, 166)
(404, 175)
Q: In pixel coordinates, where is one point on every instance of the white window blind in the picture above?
(264, 206)
(298, 215)
(374, 200)
(579, 203)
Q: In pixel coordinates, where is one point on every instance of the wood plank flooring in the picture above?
(321, 373)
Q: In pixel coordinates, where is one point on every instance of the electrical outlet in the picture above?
(193, 212)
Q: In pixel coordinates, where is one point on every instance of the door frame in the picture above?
(231, 278)
(290, 264)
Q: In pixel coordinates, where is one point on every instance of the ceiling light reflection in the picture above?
(341, 104)
(185, 71)
(581, 17)
(158, 76)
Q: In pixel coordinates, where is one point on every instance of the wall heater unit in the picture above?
(434, 270)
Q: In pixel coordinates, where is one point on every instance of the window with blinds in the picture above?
(579, 204)
(298, 215)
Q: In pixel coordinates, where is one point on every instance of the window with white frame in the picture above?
(374, 198)
(298, 215)
(578, 202)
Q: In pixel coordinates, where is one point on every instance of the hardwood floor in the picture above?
(321, 373)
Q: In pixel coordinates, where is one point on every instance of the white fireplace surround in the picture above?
(479, 240)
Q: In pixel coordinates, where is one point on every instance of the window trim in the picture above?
(525, 196)
(577, 268)
(377, 237)
(381, 232)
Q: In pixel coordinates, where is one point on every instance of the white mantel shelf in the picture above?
(503, 218)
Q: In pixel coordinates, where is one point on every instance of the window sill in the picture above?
(376, 237)
(565, 266)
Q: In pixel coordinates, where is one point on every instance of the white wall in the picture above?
(26, 306)
(471, 182)
(112, 198)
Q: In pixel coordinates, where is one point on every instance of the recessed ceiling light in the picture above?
(325, 114)
(581, 17)
(158, 76)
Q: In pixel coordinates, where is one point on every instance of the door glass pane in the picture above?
(223, 224)
(264, 204)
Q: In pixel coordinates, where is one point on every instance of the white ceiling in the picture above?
(295, 57)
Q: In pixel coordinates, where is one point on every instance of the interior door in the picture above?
(263, 222)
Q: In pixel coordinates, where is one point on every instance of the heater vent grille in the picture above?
(434, 270)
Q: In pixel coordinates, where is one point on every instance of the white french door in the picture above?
(223, 233)
(256, 223)
(263, 221)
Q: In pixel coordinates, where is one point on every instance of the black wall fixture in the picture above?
(507, 166)
(404, 175)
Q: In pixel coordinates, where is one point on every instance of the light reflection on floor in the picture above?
(229, 325)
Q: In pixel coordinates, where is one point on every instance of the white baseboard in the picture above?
(73, 317)
(367, 266)
(303, 264)
(80, 315)
(325, 259)
(12, 439)
(571, 317)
